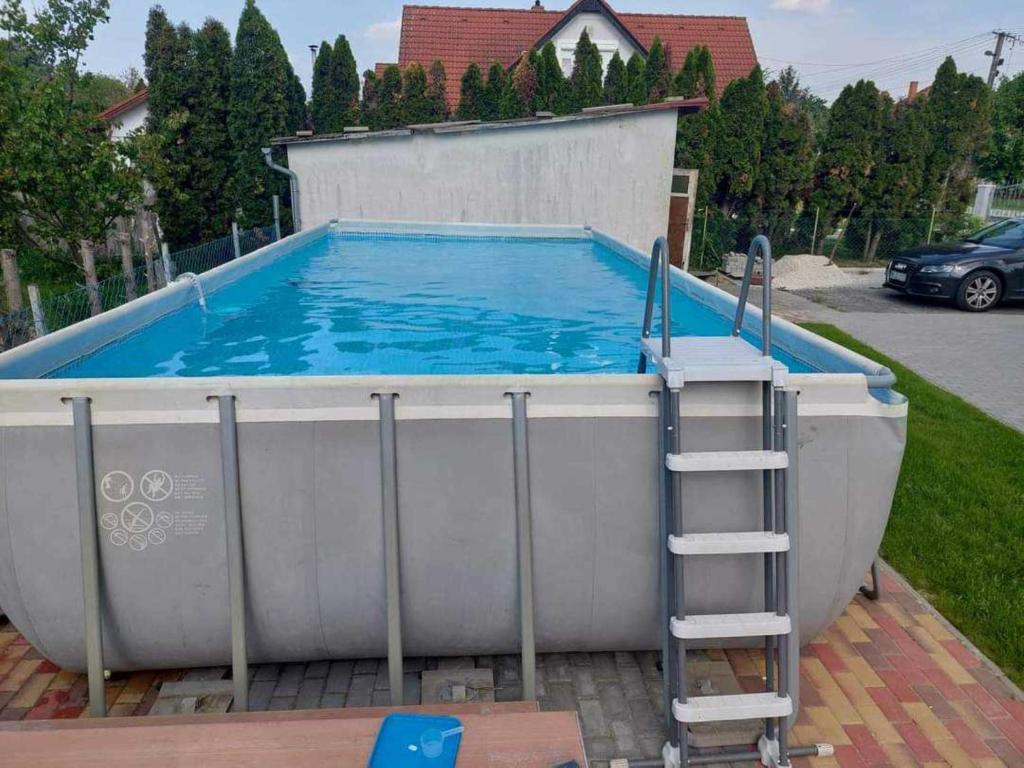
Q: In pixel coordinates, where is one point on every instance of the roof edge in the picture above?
(140, 96)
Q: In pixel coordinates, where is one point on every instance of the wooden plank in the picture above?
(525, 740)
(348, 713)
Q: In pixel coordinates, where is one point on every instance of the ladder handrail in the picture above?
(659, 255)
(763, 247)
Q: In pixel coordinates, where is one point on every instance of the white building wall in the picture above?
(602, 33)
(613, 173)
(128, 121)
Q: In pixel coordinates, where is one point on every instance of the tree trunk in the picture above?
(148, 249)
(873, 249)
(12, 280)
(124, 237)
(865, 254)
(835, 245)
(92, 284)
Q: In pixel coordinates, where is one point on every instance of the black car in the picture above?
(976, 273)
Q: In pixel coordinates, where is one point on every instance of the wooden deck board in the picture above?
(298, 740)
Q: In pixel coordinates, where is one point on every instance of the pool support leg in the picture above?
(392, 564)
(235, 549)
(524, 542)
(81, 410)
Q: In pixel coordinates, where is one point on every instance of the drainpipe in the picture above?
(293, 181)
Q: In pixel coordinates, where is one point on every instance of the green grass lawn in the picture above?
(957, 526)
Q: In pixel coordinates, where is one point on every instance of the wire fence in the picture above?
(862, 240)
(1007, 202)
(61, 310)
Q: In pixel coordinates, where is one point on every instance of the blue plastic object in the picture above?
(412, 740)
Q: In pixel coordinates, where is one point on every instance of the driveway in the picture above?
(979, 357)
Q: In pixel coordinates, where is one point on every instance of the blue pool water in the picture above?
(365, 304)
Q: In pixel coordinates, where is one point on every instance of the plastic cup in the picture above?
(432, 743)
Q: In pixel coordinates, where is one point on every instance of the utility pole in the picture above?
(997, 54)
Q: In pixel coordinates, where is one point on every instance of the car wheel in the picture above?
(979, 291)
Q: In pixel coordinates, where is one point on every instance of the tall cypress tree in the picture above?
(739, 139)
(636, 79)
(169, 58)
(211, 145)
(471, 94)
(520, 89)
(616, 86)
(370, 105)
(345, 82)
(586, 83)
(697, 76)
(259, 111)
(657, 72)
(295, 100)
(389, 99)
(551, 87)
(491, 106)
(416, 106)
(325, 109)
(437, 92)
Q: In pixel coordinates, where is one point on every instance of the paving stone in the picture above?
(381, 699)
(317, 669)
(279, 703)
(632, 682)
(456, 662)
(338, 677)
(601, 748)
(613, 701)
(604, 665)
(440, 686)
(309, 693)
(414, 664)
(506, 670)
(625, 738)
(383, 680)
(579, 659)
(556, 668)
(360, 692)
(260, 694)
(592, 717)
(560, 696)
(411, 689)
(509, 693)
(332, 701)
(289, 680)
(366, 667)
(644, 719)
(583, 682)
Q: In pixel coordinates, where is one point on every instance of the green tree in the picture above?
(739, 141)
(210, 146)
(491, 105)
(369, 107)
(697, 76)
(389, 99)
(437, 92)
(786, 170)
(636, 79)
(616, 84)
(295, 100)
(261, 108)
(97, 91)
(795, 93)
(325, 108)
(552, 91)
(416, 106)
(471, 94)
(1004, 161)
(586, 84)
(64, 182)
(959, 113)
(173, 90)
(657, 72)
(520, 90)
(849, 150)
(345, 82)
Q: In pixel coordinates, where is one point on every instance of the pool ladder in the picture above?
(689, 360)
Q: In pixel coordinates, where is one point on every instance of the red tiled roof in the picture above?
(139, 97)
(461, 36)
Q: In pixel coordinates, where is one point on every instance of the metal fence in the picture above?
(863, 240)
(51, 313)
(1007, 202)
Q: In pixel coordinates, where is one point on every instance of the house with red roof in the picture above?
(461, 36)
(128, 115)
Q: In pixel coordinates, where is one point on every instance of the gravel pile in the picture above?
(803, 270)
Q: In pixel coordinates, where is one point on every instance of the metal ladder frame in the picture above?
(779, 435)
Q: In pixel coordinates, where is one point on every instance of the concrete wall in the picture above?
(612, 173)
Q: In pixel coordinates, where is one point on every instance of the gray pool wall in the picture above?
(311, 500)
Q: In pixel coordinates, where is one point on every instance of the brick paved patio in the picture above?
(888, 684)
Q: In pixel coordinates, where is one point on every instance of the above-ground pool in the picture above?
(306, 335)
(363, 304)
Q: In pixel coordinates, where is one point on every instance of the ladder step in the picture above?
(739, 543)
(721, 625)
(742, 706)
(726, 461)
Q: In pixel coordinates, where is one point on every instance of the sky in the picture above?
(830, 42)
